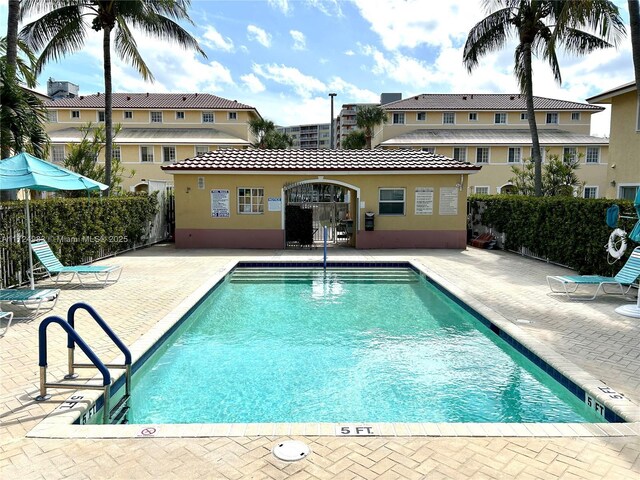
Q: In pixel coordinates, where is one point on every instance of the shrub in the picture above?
(78, 229)
(566, 230)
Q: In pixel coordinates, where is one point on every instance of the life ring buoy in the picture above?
(617, 243)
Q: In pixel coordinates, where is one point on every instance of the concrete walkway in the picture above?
(157, 279)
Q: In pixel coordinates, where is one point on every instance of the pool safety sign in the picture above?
(220, 203)
(354, 431)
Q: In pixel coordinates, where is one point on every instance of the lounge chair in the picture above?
(53, 267)
(29, 301)
(8, 316)
(627, 275)
(485, 240)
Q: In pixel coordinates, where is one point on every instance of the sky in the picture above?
(284, 57)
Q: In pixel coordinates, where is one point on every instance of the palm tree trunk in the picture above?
(533, 127)
(634, 21)
(108, 101)
(12, 59)
(12, 35)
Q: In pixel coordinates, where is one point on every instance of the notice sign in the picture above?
(448, 201)
(274, 204)
(220, 203)
(424, 200)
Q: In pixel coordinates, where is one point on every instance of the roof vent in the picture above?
(81, 97)
(416, 98)
(128, 98)
(512, 97)
(98, 93)
(471, 97)
(464, 97)
(184, 99)
(196, 94)
(147, 94)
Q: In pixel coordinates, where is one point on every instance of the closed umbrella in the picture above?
(26, 171)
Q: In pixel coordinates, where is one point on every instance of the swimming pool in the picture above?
(361, 345)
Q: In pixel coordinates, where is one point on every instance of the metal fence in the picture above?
(14, 272)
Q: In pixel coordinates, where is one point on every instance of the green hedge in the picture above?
(78, 229)
(566, 230)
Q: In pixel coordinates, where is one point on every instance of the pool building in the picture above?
(288, 198)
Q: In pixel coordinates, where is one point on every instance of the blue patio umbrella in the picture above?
(26, 171)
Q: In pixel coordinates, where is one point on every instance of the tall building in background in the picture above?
(346, 120)
(309, 137)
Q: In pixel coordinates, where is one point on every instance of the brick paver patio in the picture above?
(155, 281)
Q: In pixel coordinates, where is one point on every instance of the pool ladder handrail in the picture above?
(73, 339)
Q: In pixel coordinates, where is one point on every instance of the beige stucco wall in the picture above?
(196, 228)
(624, 168)
(485, 120)
(193, 205)
(130, 152)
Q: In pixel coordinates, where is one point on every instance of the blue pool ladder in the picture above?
(118, 413)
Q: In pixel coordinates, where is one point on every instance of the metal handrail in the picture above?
(77, 339)
(112, 335)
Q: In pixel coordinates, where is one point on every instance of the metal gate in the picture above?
(330, 208)
(162, 223)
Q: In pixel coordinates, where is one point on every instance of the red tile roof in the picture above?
(483, 101)
(319, 160)
(151, 100)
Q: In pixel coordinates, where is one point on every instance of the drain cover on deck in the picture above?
(291, 450)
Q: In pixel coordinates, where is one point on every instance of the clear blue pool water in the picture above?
(374, 345)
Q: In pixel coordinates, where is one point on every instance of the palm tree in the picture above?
(13, 16)
(634, 23)
(62, 30)
(22, 118)
(266, 135)
(24, 70)
(355, 140)
(540, 27)
(367, 118)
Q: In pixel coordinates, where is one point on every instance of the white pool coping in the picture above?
(60, 422)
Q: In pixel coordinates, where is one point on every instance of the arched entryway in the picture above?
(508, 189)
(312, 205)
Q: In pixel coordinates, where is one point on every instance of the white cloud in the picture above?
(409, 24)
(253, 83)
(349, 53)
(330, 8)
(213, 39)
(259, 35)
(303, 85)
(348, 92)
(282, 5)
(299, 40)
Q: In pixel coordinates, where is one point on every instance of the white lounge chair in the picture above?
(30, 302)
(627, 275)
(54, 268)
(8, 316)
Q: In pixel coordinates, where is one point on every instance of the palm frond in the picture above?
(57, 34)
(488, 35)
(601, 17)
(126, 47)
(29, 7)
(580, 42)
(165, 29)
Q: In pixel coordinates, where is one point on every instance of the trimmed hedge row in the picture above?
(566, 230)
(78, 229)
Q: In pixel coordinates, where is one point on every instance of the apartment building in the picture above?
(309, 137)
(623, 174)
(156, 128)
(492, 130)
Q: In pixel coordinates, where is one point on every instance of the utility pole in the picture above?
(332, 143)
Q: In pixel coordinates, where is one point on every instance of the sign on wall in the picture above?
(424, 200)
(448, 201)
(220, 203)
(274, 204)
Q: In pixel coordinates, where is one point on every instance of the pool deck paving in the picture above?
(159, 280)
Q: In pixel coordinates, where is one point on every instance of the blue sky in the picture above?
(285, 56)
